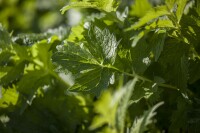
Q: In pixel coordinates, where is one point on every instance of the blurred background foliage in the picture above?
(31, 15)
(35, 16)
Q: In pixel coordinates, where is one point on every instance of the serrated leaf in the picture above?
(140, 125)
(93, 81)
(161, 23)
(105, 110)
(28, 39)
(124, 101)
(90, 62)
(104, 44)
(76, 33)
(31, 81)
(74, 57)
(9, 97)
(148, 91)
(32, 38)
(111, 108)
(150, 16)
(13, 75)
(103, 5)
(41, 52)
(5, 38)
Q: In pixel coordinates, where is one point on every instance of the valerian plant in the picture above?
(129, 67)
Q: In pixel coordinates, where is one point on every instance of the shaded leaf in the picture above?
(140, 124)
(111, 109)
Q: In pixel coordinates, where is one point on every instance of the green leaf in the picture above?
(103, 5)
(140, 124)
(94, 81)
(8, 97)
(91, 63)
(194, 71)
(5, 38)
(41, 54)
(28, 88)
(174, 61)
(111, 108)
(13, 75)
(152, 14)
(104, 44)
(140, 55)
(140, 8)
(198, 7)
(177, 6)
(32, 38)
(28, 39)
(146, 90)
(180, 8)
(76, 33)
(161, 23)
(170, 3)
(5, 57)
(106, 110)
(157, 43)
(124, 103)
(179, 116)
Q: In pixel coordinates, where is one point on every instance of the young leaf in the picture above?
(5, 38)
(103, 5)
(123, 105)
(140, 8)
(9, 97)
(111, 108)
(152, 14)
(140, 125)
(180, 8)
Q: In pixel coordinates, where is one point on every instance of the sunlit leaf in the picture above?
(90, 62)
(8, 97)
(104, 5)
(140, 8)
(152, 14)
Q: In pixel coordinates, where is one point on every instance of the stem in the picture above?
(141, 77)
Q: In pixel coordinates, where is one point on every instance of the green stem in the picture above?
(143, 78)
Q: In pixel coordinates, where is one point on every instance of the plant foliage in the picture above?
(129, 67)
